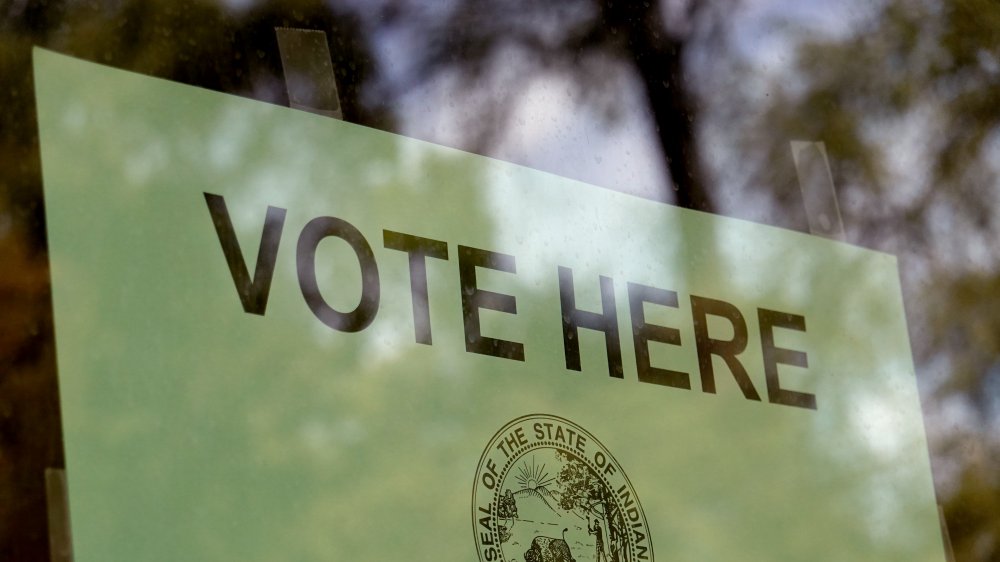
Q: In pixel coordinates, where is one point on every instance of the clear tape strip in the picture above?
(308, 69)
(819, 195)
(60, 538)
(945, 536)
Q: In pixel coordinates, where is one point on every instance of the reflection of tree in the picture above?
(583, 493)
(587, 40)
(29, 424)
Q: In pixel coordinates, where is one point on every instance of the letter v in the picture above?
(253, 293)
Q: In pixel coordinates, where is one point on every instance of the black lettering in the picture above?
(489, 480)
(418, 249)
(253, 293)
(727, 350)
(773, 355)
(643, 333)
(573, 319)
(633, 514)
(474, 299)
(626, 497)
(314, 232)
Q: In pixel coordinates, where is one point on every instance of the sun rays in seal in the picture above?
(534, 481)
(532, 477)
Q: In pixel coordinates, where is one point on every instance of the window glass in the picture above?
(871, 124)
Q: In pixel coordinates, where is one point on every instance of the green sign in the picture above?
(285, 337)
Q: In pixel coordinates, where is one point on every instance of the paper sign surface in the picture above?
(285, 337)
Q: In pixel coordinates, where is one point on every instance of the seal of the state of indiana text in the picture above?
(546, 490)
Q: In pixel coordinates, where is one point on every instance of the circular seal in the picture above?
(546, 490)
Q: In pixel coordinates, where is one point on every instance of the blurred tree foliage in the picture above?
(907, 105)
(586, 40)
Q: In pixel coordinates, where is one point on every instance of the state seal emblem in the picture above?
(546, 490)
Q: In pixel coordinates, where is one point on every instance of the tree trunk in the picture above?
(659, 60)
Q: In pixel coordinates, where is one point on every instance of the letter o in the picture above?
(489, 481)
(599, 459)
(314, 232)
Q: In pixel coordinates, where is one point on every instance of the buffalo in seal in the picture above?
(548, 549)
